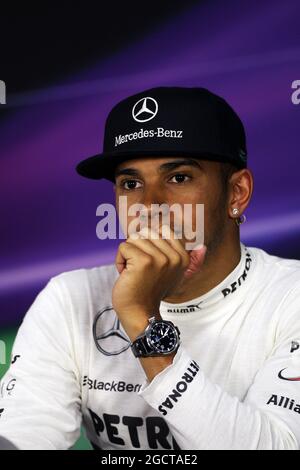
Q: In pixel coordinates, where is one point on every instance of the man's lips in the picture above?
(196, 260)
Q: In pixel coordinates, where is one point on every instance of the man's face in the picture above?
(174, 180)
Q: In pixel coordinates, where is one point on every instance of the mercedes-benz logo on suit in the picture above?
(109, 341)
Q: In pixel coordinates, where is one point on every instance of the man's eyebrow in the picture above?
(168, 166)
(176, 163)
(127, 171)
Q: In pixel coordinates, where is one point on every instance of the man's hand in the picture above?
(150, 270)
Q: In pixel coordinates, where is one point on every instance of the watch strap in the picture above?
(141, 348)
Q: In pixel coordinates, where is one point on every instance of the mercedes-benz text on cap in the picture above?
(169, 121)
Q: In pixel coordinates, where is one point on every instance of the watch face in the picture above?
(162, 337)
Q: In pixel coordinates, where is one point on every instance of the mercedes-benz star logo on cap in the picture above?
(110, 341)
(145, 109)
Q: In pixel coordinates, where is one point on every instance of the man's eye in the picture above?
(130, 184)
(180, 178)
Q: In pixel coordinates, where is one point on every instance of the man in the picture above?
(169, 348)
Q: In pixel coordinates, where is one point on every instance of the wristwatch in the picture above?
(160, 338)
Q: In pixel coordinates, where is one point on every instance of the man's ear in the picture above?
(241, 184)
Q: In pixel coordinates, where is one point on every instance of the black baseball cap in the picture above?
(169, 121)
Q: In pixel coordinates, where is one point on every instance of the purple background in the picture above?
(250, 56)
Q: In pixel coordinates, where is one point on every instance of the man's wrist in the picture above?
(154, 365)
(151, 365)
(136, 327)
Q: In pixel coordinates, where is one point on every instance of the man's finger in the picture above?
(156, 247)
(169, 235)
(126, 255)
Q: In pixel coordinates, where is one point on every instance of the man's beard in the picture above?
(215, 238)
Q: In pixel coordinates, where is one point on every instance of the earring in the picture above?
(240, 220)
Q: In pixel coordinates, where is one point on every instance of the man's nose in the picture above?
(151, 201)
(152, 196)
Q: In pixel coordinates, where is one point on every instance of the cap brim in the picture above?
(100, 166)
(104, 165)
